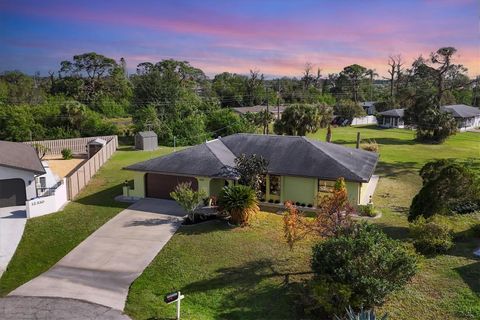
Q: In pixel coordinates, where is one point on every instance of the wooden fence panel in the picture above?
(77, 145)
(78, 179)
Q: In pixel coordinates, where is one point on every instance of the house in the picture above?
(392, 118)
(299, 168)
(369, 107)
(276, 111)
(19, 166)
(467, 117)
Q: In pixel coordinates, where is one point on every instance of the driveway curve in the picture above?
(42, 308)
(102, 267)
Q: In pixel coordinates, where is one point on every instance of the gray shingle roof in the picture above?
(210, 159)
(147, 134)
(20, 156)
(400, 113)
(287, 155)
(461, 111)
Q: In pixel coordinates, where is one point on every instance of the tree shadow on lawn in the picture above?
(380, 141)
(104, 198)
(396, 169)
(395, 232)
(249, 293)
(470, 274)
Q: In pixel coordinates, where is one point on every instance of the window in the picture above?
(275, 185)
(43, 183)
(325, 186)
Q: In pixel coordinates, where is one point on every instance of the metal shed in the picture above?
(94, 146)
(146, 140)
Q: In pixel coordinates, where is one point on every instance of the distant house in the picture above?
(392, 118)
(467, 117)
(369, 107)
(19, 166)
(276, 111)
(299, 168)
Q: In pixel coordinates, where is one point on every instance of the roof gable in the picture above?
(20, 156)
(400, 113)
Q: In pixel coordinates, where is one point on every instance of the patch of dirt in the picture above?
(62, 167)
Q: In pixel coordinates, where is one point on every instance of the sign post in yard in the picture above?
(174, 297)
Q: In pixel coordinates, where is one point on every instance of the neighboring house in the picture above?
(392, 118)
(369, 107)
(299, 168)
(276, 111)
(19, 166)
(467, 117)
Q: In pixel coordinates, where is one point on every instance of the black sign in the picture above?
(171, 297)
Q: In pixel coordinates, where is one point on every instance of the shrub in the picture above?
(67, 154)
(303, 204)
(240, 202)
(277, 201)
(446, 186)
(370, 145)
(297, 204)
(366, 210)
(270, 200)
(359, 268)
(310, 205)
(187, 198)
(431, 237)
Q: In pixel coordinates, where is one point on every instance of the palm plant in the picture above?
(362, 315)
(240, 202)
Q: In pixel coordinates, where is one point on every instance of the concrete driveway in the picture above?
(102, 267)
(12, 224)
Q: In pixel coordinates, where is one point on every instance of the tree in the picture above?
(41, 150)
(255, 89)
(348, 109)
(333, 217)
(230, 88)
(252, 170)
(355, 74)
(360, 269)
(395, 63)
(453, 185)
(187, 198)
(298, 120)
(239, 202)
(224, 122)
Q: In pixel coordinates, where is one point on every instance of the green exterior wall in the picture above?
(353, 189)
(303, 190)
(216, 186)
(299, 189)
(139, 185)
(204, 185)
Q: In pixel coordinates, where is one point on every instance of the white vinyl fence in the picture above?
(44, 205)
(359, 121)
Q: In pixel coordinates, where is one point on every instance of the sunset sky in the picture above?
(275, 37)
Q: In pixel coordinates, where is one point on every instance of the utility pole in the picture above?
(358, 140)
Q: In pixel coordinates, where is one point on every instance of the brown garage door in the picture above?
(12, 193)
(160, 185)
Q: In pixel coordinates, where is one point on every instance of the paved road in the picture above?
(12, 224)
(103, 266)
(41, 308)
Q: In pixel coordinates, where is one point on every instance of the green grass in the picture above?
(47, 239)
(249, 273)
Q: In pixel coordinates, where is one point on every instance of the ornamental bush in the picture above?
(431, 237)
(359, 269)
(239, 202)
(67, 154)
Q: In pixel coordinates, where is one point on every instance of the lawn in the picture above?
(47, 239)
(249, 273)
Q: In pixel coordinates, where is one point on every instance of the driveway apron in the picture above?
(102, 267)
